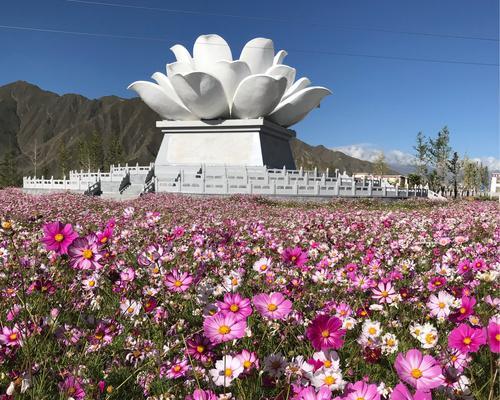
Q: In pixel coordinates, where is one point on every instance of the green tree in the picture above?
(9, 173)
(379, 165)
(91, 153)
(454, 169)
(63, 160)
(439, 152)
(115, 153)
(415, 180)
(421, 157)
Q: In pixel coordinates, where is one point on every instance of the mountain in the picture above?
(34, 122)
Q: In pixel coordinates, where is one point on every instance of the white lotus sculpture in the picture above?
(210, 85)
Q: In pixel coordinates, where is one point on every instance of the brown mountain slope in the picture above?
(30, 115)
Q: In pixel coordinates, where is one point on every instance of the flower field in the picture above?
(169, 297)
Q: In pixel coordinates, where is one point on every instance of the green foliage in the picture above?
(9, 173)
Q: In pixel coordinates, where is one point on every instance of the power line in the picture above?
(282, 20)
(91, 34)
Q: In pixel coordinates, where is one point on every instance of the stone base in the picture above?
(240, 142)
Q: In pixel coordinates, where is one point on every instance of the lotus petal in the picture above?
(297, 106)
(279, 71)
(159, 101)
(179, 67)
(257, 96)
(166, 85)
(182, 54)
(258, 53)
(209, 49)
(302, 83)
(230, 74)
(279, 57)
(202, 93)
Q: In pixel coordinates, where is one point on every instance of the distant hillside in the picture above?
(30, 115)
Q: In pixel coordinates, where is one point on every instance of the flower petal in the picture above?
(257, 96)
(179, 67)
(230, 74)
(279, 57)
(278, 71)
(258, 53)
(158, 100)
(182, 54)
(209, 49)
(302, 83)
(297, 106)
(166, 85)
(202, 93)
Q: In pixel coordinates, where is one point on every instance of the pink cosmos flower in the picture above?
(436, 283)
(309, 393)
(235, 304)
(72, 388)
(401, 392)
(200, 394)
(361, 390)
(422, 372)
(248, 359)
(463, 267)
(10, 337)
(325, 333)
(384, 293)
(177, 281)
(84, 253)
(465, 310)
(272, 306)
(174, 369)
(294, 256)
(58, 237)
(199, 348)
(466, 339)
(223, 327)
(494, 336)
(439, 305)
(478, 264)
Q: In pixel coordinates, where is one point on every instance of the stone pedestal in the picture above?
(232, 142)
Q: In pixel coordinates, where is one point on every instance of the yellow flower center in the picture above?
(234, 281)
(234, 307)
(87, 253)
(454, 358)
(13, 336)
(71, 390)
(329, 380)
(200, 349)
(109, 389)
(130, 310)
(228, 372)
(247, 364)
(429, 338)
(385, 293)
(294, 258)
(99, 335)
(467, 340)
(6, 225)
(390, 342)
(156, 270)
(325, 333)
(416, 373)
(360, 398)
(177, 368)
(177, 283)
(263, 267)
(104, 239)
(327, 363)
(441, 305)
(59, 237)
(497, 337)
(224, 329)
(462, 310)
(437, 283)
(272, 307)
(372, 331)
(91, 283)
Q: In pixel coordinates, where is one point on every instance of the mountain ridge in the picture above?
(31, 117)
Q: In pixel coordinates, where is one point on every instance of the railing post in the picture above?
(353, 187)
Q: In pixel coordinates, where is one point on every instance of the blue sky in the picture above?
(376, 102)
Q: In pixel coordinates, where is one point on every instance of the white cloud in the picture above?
(492, 163)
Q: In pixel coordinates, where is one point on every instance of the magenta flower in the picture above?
(466, 309)
(223, 327)
(200, 394)
(422, 372)
(58, 237)
(361, 390)
(199, 348)
(436, 283)
(466, 339)
(309, 393)
(401, 392)
(72, 388)
(235, 304)
(325, 333)
(177, 281)
(84, 253)
(494, 336)
(10, 337)
(294, 256)
(272, 306)
(174, 369)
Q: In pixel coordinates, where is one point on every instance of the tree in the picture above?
(421, 157)
(114, 154)
(9, 173)
(91, 153)
(439, 151)
(379, 165)
(34, 155)
(454, 169)
(63, 160)
(415, 180)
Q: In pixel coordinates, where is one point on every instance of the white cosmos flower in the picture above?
(262, 265)
(226, 370)
(329, 377)
(209, 84)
